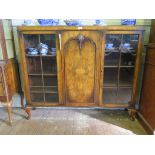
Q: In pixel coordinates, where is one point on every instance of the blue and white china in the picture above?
(52, 53)
(87, 22)
(30, 22)
(32, 51)
(43, 51)
(62, 22)
(100, 22)
(48, 22)
(43, 48)
(41, 45)
(128, 21)
(73, 22)
(53, 49)
(27, 22)
(109, 45)
(126, 45)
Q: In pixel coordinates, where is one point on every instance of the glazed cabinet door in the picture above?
(41, 75)
(81, 67)
(121, 65)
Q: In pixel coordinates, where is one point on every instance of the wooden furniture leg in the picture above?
(132, 114)
(9, 110)
(132, 111)
(22, 100)
(28, 111)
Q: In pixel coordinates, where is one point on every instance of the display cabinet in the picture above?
(91, 66)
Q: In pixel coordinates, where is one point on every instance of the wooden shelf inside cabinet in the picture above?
(115, 66)
(43, 89)
(28, 55)
(44, 74)
(38, 92)
(120, 86)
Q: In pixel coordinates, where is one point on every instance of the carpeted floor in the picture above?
(57, 121)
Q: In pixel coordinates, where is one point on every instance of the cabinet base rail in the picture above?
(132, 112)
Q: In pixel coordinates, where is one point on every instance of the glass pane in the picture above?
(130, 41)
(50, 80)
(109, 95)
(33, 65)
(36, 89)
(111, 57)
(126, 76)
(37, 97)
(31, 41)
(112, 53)
(110, 77)
(50, 89)
(114, 95)
(49, 65)
(35, 80)
(113, 41)
(48, 39)
(127, 59)
(129, 49)
(51, 97)
(124, 95)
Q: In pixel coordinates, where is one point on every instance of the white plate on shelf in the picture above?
(110, 48)
(52, 53)
(32, 53)
(130, 48)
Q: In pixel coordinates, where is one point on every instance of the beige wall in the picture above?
(8, 39)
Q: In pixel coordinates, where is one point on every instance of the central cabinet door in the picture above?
(81, 59)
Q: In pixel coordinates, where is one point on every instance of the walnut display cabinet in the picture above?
(93, 66)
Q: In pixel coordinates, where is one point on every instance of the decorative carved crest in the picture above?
(80, 39)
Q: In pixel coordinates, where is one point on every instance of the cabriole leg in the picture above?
(132, 114)
(9, 110)
(28, 111)
(132, 110)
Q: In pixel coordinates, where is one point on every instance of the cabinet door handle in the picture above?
(59, 35)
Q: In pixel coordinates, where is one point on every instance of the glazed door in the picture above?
(42, 69)
(81, 63)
